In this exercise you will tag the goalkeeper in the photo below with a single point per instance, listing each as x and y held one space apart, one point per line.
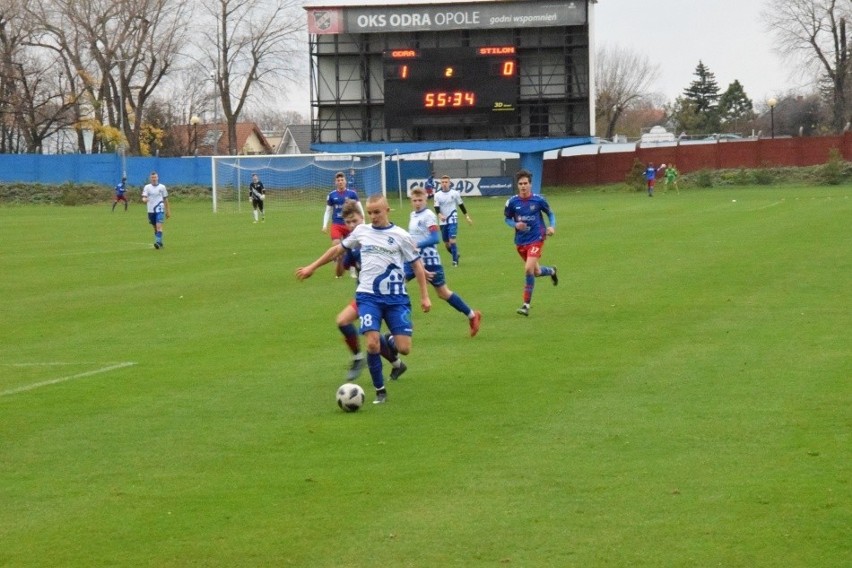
257 193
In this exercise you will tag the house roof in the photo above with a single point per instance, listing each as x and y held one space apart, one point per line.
212 139
296 140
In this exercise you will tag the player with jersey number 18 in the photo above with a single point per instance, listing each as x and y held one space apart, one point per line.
381 294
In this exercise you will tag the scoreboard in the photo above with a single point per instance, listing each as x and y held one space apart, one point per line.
453 86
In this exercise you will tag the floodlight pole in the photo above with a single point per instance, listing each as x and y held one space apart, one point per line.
772 102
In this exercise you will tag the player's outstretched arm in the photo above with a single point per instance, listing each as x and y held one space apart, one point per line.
422 282
331 254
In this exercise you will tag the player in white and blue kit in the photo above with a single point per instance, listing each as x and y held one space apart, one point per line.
349 315
381 294
423 228
447 201
430 186
156 196
525 213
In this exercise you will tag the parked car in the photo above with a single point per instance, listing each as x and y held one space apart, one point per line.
724 136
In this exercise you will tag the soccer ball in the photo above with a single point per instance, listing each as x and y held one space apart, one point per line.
350 397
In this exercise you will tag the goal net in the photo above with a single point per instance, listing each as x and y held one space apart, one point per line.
294 179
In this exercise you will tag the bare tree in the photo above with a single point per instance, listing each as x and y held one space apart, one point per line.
114 52
31 100
252 50
814 31
624 79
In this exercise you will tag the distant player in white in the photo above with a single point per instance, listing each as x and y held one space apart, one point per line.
381 294
446 202
423 227
156 196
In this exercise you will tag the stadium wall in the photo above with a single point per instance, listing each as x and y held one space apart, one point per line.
105 169
588 169
612 167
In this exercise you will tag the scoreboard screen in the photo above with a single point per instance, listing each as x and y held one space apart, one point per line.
450 86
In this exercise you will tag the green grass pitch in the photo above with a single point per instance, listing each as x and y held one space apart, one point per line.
682 398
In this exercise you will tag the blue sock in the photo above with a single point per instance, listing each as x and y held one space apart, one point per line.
158 236
529 284
374 363
456 302
546 270
454 250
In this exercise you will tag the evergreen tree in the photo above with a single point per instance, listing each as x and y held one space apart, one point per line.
703 96
735 108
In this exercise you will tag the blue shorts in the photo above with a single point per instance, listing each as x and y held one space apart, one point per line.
449 231
372 310
157 217
438 280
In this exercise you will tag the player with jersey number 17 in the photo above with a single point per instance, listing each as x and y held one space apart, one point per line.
333 213
525 213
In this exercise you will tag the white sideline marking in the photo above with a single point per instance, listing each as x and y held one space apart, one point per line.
68 378
770 205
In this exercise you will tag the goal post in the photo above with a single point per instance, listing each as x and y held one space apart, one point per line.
294 179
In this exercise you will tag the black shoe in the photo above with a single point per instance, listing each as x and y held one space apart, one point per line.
356 368
157 245
524 310
396 372
381 396
554 277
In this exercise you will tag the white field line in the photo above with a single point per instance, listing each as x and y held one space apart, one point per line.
34 386
770 205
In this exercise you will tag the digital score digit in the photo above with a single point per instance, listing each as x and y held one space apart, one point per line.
474 85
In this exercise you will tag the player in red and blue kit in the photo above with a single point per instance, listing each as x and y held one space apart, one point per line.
525 213
333 208
651 178
120 190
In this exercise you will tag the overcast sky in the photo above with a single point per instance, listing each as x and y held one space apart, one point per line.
727 35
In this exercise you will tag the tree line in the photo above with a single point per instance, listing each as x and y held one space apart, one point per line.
127 71
811 35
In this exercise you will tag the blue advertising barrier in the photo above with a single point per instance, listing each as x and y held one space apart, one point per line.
105 169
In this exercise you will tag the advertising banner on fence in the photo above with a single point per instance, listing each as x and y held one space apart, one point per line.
471 187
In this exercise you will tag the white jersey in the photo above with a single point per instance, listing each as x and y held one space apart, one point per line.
384 253
156 195
446 202
418 226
